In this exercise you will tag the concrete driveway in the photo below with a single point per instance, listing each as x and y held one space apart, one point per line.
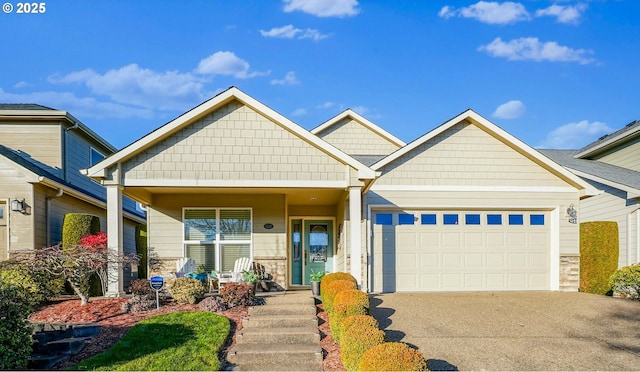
514 331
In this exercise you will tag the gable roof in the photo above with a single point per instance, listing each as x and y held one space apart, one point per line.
39 112
607 141
608 174
349 113
232 93
472 117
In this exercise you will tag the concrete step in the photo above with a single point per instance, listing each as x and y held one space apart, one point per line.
291 335
307 366
279 321
281 354
66 346
289 298
283 309
45 362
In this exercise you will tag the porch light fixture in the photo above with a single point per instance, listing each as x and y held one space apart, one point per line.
573 214
18 205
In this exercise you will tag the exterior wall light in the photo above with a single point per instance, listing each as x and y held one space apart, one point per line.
18 205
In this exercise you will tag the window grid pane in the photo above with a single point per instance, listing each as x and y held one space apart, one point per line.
200 224
203 254
450 219
516 219
384 219
472 219
235 224
428 219
536 219
231 252
406 219
494 219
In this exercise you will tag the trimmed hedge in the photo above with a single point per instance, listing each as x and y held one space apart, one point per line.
141 250
599 250
331 277
332 290
40 285
187 290
341 311
15 329
355 341
626 281
359 321
392 356
76 226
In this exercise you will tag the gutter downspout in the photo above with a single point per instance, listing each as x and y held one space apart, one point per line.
47 208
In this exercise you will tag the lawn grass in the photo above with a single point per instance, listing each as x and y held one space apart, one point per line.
181 341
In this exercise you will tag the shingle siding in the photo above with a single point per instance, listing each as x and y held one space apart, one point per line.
355 139
626 155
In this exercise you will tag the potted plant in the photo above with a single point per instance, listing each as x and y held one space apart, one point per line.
200 274
250 277
316 278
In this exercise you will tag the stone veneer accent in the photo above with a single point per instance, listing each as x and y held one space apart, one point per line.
277 267
569 273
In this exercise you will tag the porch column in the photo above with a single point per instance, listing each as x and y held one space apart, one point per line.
115 239
355 234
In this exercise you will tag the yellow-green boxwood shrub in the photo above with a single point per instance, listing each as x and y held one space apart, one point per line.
329 294
360 320
392 356
187 290
340 312
626 281
355 341
40 285
599 252
331 277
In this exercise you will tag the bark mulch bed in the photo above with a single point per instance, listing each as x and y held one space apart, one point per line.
114 323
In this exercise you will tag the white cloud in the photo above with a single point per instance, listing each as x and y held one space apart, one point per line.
22 84
323 8
489 12
510 110
575 135
85 107
325 105
530 48
564 14
289 79
133 85
290 32
226 63
299 112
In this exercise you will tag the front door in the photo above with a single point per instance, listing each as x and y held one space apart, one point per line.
311 248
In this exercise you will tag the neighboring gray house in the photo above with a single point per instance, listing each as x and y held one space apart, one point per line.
41 153
611 164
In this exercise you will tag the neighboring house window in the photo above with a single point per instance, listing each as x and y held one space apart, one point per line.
516 219
450 219
428 219
406 219
95 156
384 219
494 219
216 237
536 219
472 219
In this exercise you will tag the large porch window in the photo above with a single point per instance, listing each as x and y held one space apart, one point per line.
216 237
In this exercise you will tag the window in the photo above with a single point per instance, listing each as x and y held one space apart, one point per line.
472 219
95 156
406 219
494 219
516 219
428 219
536 219
216 237
450 219
384 219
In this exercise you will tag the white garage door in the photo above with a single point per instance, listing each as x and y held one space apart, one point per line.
461 250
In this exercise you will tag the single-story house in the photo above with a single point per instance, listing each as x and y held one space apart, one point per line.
41 153
611 164
467 206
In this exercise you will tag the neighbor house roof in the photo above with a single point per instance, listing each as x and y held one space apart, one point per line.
34 111
349 113
233 93
608 174
511 141
603 143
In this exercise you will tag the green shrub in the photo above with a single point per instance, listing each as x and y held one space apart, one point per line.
392 356
332 290
141 250
76 226
355 341
626 281
40 285
599 252
187 290
331 277
340 312
360 321
15 330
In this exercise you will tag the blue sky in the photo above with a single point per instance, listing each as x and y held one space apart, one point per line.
556 74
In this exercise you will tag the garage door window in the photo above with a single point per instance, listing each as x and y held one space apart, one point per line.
472 219
516 219
450 219
428 219
406 219
536 219
384 219
494 219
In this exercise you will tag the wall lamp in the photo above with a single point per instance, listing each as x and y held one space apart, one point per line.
18 205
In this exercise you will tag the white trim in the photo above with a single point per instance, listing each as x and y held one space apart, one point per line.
355 236
632 192
609 142
464 207
463 188
115 236
182 183
554 251
362 120
6 212
228 95
500 134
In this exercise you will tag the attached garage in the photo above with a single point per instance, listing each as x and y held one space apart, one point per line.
461 250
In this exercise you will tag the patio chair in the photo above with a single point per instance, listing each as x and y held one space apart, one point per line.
241 264
184 266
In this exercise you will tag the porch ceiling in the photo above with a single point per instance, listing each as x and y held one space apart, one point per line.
295 196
